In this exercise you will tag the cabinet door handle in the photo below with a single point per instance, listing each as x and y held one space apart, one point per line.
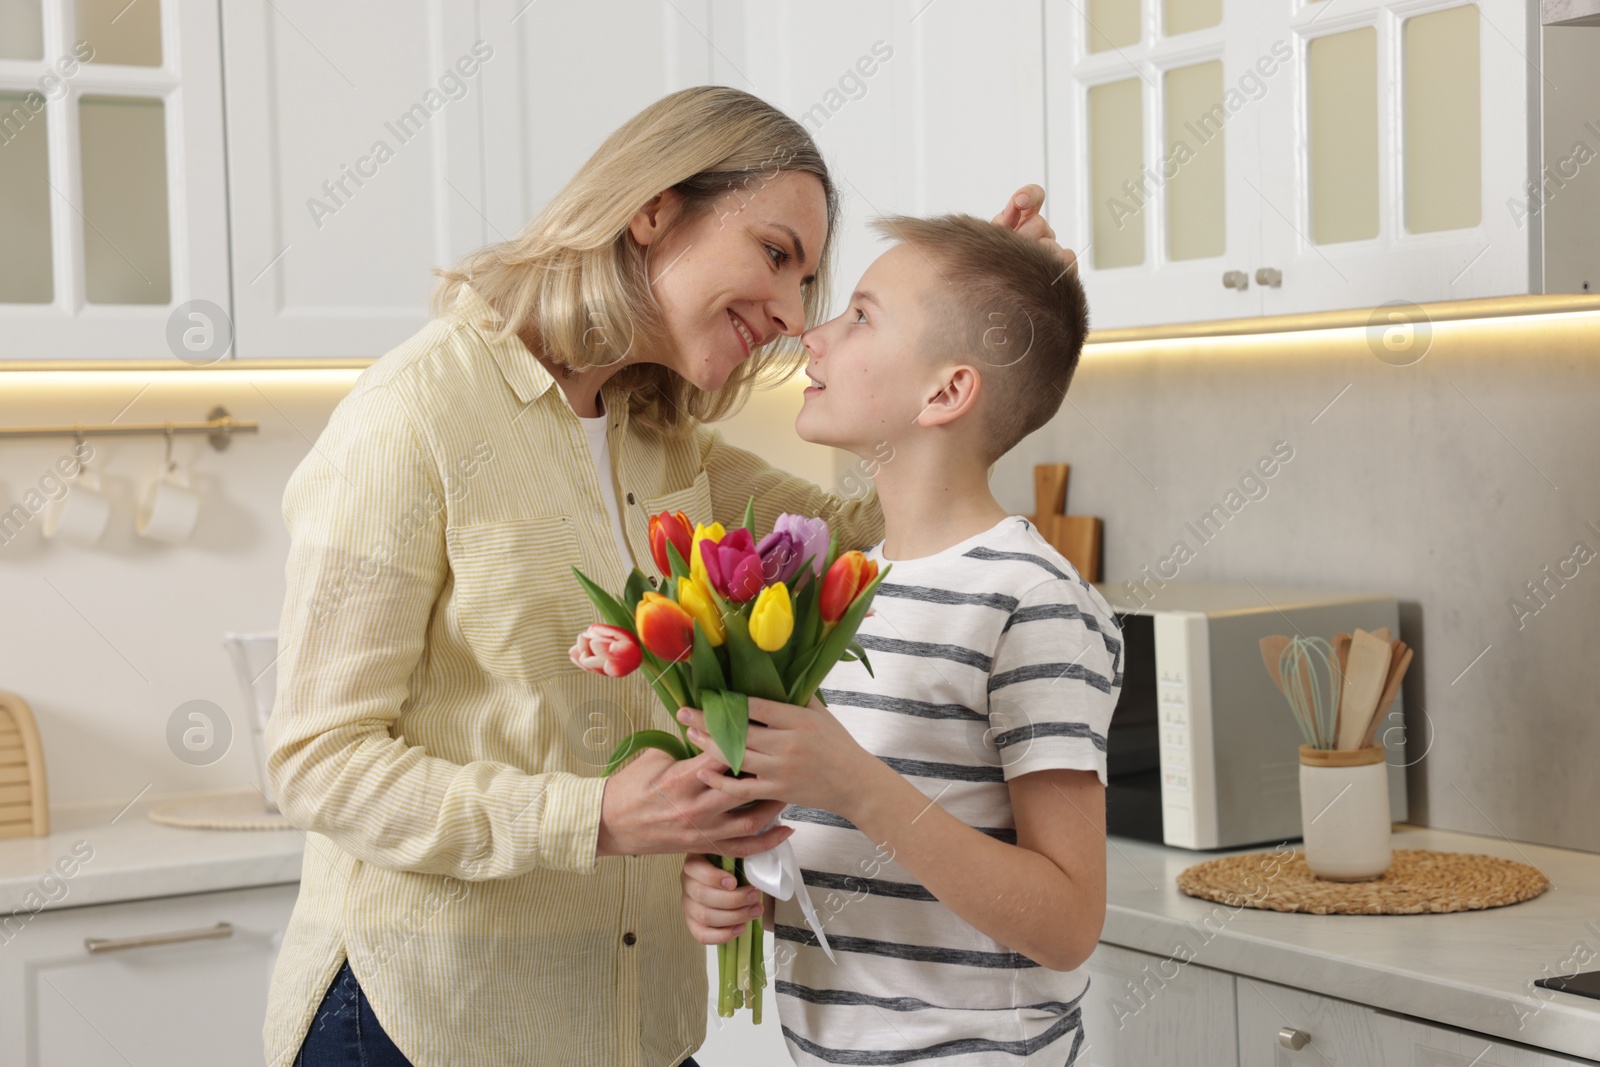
1236 279
1291 1038
1269 276
97 945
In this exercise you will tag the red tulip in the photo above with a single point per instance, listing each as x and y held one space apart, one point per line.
664 627
606 649
850 573
733 566
669 527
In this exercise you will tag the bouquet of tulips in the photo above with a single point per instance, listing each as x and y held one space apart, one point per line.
735 618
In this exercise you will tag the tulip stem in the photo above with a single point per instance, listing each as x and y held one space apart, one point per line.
758 969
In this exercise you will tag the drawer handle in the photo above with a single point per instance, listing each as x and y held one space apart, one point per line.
1236 279
1291 1038
96 945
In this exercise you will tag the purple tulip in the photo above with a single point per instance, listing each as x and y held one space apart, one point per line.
810 537
780 556
732 565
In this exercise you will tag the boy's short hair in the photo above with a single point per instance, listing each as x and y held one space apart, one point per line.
1006 303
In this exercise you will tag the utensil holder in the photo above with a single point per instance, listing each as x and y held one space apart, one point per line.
1344 812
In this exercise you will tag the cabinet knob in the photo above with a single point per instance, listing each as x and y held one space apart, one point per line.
1291 1038
1236 279
1270 276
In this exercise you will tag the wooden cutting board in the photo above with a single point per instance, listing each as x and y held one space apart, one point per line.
1078 537
24 797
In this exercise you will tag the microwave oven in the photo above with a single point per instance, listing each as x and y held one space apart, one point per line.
1203 749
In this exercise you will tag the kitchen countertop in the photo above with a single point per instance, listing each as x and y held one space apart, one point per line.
1472 969
134 858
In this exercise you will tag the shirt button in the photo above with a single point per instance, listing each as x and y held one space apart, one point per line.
630 498
652 579
628 938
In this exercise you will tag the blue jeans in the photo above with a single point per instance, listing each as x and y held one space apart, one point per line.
345 1033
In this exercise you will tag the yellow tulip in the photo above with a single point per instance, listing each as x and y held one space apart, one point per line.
697 567
772 618
696 599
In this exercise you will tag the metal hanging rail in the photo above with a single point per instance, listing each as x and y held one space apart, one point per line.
219 427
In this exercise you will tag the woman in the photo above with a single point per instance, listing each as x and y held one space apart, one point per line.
472 891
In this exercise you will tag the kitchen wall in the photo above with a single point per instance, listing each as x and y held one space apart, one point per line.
106 644
1451 482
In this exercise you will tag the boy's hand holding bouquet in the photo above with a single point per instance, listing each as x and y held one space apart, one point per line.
734 619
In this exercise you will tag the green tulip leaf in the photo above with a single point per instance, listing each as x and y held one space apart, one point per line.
753 672
750 516
838 639
798 671
807 613
610 610
859 653
728 723
634 591
639 741
705 670
680 566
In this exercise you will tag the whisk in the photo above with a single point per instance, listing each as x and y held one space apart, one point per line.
1309 669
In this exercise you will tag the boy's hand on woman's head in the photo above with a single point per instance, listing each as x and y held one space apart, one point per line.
1021 214
715 908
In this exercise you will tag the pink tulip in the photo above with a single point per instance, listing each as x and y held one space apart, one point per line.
606 649
732 565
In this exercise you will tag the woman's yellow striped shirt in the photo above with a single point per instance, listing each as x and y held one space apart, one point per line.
433 739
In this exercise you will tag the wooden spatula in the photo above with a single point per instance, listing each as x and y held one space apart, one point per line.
1272 651
1365 675
1399 661
1341 647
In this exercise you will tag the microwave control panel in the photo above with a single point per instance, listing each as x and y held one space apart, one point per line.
1188 818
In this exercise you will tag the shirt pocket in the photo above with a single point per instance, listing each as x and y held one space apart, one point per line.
518 605
694 501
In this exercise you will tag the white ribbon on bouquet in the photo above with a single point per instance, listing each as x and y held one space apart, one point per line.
777 871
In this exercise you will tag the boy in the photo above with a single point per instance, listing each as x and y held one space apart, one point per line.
949 812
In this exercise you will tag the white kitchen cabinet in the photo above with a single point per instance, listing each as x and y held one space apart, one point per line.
1216 159
1150 165
112 179
1142 1009
1411 1041
566 75
355 150
1280 1026
918 108
1398 133
194 995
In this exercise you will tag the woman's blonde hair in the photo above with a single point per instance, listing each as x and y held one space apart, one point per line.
574 279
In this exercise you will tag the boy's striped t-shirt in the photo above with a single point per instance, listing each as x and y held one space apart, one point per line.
992 659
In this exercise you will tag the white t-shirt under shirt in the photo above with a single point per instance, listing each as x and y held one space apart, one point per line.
595 430
992 659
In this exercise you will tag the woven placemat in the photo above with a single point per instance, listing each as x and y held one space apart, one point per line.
219 811
1417 881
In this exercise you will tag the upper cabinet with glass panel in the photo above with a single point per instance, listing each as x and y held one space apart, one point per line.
112 187
1213 159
